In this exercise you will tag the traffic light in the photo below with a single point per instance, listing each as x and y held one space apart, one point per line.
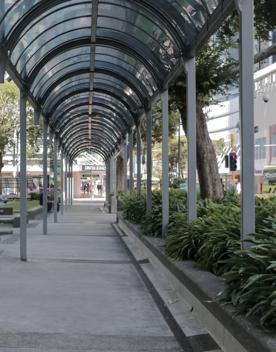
226 160
233 158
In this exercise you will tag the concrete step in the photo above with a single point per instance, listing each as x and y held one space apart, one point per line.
56 342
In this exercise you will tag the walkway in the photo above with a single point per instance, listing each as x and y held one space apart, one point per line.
79 291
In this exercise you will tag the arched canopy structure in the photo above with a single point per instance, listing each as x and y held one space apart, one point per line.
93 67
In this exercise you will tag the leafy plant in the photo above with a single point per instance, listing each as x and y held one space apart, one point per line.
152 225
133 206
250 280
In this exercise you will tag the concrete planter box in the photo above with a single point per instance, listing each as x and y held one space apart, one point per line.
200 289
32 214
35 212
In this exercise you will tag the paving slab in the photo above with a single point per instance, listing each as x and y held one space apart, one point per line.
79 291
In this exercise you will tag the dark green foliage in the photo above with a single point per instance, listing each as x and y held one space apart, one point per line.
152 225
211 238
133 206
213 242
250 280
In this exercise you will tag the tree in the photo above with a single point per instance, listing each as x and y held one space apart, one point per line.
8 119
9 123
217 70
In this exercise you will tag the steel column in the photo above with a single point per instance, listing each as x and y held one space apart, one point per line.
2 62
55 181
71 184
131 181
23 177
190 67
125 153
246 8
36 117
107 180
165 162
45 178
149 162
61 184
113 179
66 183
139 152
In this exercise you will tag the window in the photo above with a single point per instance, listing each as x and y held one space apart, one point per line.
273 142
260 148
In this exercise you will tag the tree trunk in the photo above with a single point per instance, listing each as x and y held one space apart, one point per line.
207 167
1 166
120 173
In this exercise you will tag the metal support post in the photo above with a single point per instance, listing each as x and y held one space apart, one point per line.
113 184
139 152
2 66
45 176
23 177
131 181
149 162
113 178
125 151
61 184
36 117
190 67
55 182
66 183
107 180
246 8
165 162
71 183
2 33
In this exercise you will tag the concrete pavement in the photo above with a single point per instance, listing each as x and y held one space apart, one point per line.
79 291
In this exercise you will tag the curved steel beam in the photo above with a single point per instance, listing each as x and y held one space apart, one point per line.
134 84
54 114
107 111
82 126
77 143
103 89
144 56
104 139
111 121
166 14
89 149
107 106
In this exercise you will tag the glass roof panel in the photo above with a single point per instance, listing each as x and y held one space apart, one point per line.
192 10
48 73
137 70
116 83
138 44
46 83
42 46
60 61
123 16
212 5
69 89
17 11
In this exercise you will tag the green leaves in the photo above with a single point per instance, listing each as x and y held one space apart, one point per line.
250 282
213 242
133 206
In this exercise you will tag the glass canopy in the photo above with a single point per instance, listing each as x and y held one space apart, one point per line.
97 65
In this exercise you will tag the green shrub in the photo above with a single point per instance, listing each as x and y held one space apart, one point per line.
152 225
133 206
183 240
250 280
210 239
